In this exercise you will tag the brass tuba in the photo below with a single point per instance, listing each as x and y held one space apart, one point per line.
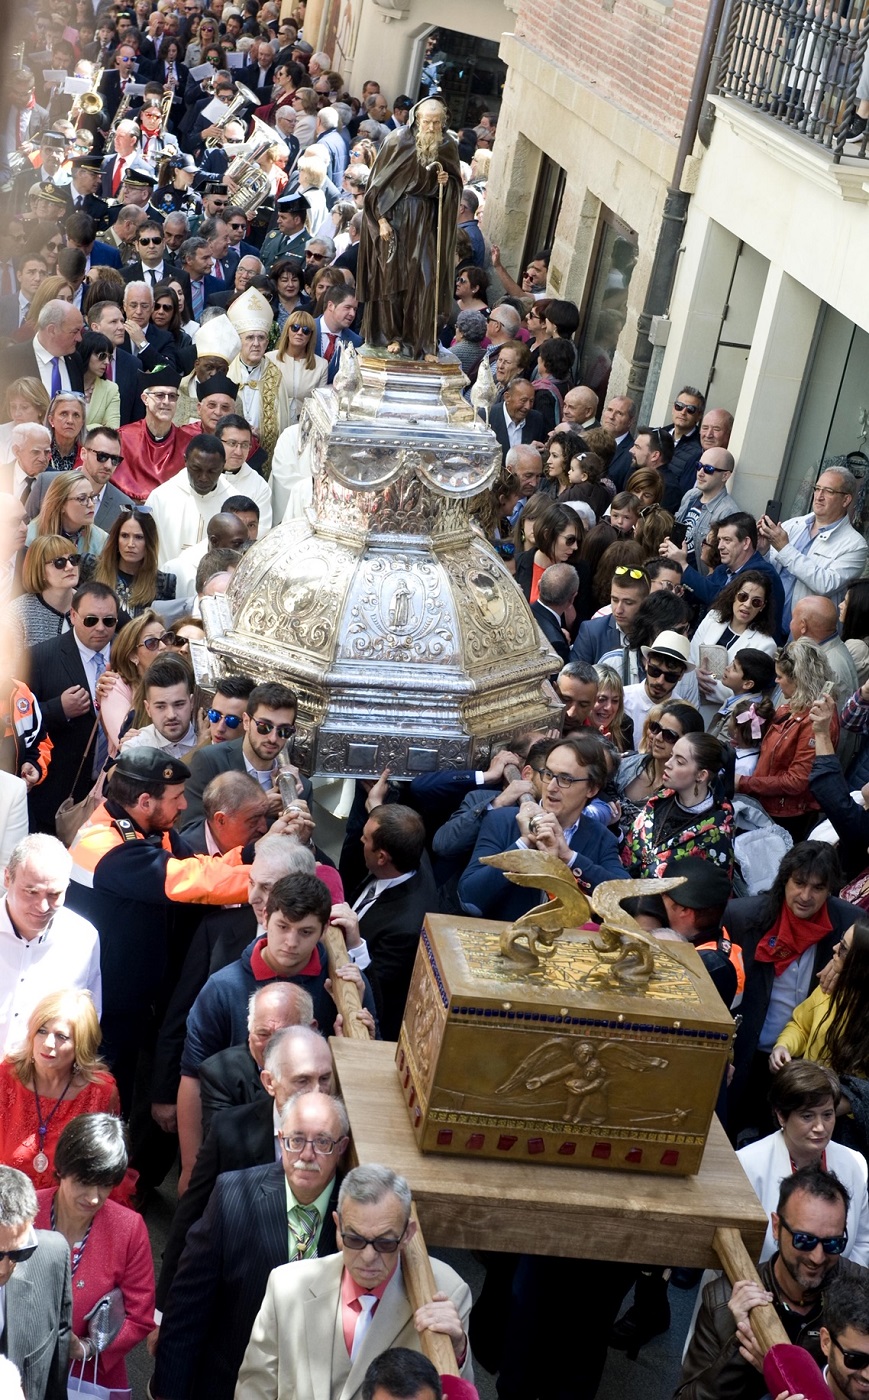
243 98
253 183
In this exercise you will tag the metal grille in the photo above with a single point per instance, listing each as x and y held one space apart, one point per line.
801 64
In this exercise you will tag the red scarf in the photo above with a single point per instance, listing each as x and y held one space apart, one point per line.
789 938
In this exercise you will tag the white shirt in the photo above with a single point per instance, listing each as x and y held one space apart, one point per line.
250 398
514 430
160 270
181 515
66 955
379 887
184 568
247 482
150 737
45 367
262 775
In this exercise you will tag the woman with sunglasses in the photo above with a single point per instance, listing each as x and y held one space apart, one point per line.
641 775
200 49
166 316
50 577
302 369
68 510
128 563
65 418
102 397
805 1099
688 817
119 690
535 324
780 782
289 278
741 616
558 535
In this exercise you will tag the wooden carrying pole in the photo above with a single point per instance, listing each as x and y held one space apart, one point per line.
418 1277
736 1262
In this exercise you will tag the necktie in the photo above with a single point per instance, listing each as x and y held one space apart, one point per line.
117 175
198 289
110 371
101 750
56 384
304 1228
22 315
153 276
79 201
330 344
368 898
218 270
26 490
367 1303
8 284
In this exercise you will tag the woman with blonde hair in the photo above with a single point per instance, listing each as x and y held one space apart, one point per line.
50 577
66 419
68 510
302 369
119 689
25 401
608 715
312 177
780 781
55 1075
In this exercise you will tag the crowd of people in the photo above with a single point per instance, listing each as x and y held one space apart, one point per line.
165 312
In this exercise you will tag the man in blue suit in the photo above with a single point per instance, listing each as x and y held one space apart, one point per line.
81 232
737 545
575 772
333 327
602 634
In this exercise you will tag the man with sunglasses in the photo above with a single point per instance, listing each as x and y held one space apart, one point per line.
845 1338
666 663
574 772
268 725
707 502
820 553
35 1291
809 1227
63 677
150 264
355 1304
256 1220
101 455
684 432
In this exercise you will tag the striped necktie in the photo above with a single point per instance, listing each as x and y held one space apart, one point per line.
304 1228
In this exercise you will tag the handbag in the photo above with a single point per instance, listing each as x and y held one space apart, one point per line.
72 815
105 1320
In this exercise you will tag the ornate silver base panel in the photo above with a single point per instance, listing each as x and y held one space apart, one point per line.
407 641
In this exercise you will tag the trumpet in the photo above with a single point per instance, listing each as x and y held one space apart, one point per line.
243 98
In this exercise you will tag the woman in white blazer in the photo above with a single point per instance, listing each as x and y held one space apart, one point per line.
741 617
13 815
804 1098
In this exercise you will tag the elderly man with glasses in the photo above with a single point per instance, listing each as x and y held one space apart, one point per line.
820 553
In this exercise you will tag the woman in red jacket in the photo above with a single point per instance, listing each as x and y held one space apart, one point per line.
780 781
109 1249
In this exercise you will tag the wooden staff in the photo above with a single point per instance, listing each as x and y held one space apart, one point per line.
439 169
416 1265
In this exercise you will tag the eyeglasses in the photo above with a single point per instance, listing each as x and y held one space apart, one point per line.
623 569
656 672
55 247
667 587
661 733
384 1244
756 603
804 1243
19 1256
150 242
164 306
265 726
153 643
91 621
564 780
315 257
162 398
82 500
232 721
63 559
710 471
103 457
322 1144
686 407
854 1360
828 491
301 330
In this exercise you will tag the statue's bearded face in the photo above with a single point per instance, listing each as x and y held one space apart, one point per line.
429 134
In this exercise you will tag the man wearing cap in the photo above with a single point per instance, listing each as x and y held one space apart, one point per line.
170 200
667 660
137 187
695 910
290 237
82 190
183 506
153 448
129 867
263 397
216 397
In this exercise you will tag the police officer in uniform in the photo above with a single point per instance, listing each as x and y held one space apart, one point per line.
290 237
81 194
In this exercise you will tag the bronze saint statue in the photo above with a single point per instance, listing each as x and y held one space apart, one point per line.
405 269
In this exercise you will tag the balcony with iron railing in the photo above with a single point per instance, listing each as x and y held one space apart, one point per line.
801 65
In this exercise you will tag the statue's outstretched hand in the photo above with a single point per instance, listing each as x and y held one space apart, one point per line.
443 177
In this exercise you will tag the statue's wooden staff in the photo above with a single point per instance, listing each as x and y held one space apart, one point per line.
416 1265
436 165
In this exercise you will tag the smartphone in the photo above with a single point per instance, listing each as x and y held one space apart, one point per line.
678 533
828 688
773 511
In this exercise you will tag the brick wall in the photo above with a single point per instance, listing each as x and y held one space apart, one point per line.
630 53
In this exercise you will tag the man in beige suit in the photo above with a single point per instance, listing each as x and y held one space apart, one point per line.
323 1321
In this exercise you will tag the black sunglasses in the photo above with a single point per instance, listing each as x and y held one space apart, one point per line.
805 1243
659 731
163 306
383 1244
854 1360
153 643
301 330
63 559
150 242
91 620
265 726
19 1256
656 672
103 457
686 407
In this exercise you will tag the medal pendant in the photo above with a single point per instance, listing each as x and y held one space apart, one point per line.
40 1162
